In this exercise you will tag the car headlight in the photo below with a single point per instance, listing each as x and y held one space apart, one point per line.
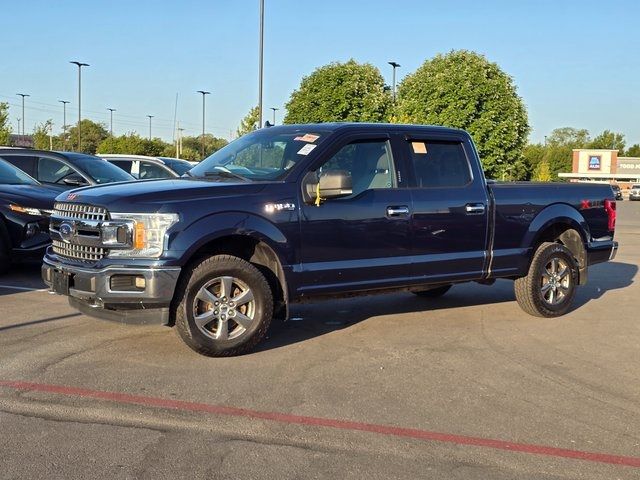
29 210
147 236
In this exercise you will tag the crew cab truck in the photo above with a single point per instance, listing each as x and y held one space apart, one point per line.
296 212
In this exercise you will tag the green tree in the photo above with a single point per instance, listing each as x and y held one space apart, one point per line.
462 89
533 154
542 172
192 146
43 138
92 135
340 92
5 126
569 137
249 123
633 151
609 139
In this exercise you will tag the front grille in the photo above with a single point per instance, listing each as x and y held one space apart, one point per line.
78 252
78 211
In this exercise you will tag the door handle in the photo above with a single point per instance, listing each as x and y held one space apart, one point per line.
397 211
474 208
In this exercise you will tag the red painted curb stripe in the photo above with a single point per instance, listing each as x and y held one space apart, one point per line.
324 422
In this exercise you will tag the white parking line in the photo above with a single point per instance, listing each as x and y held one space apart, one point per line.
26 289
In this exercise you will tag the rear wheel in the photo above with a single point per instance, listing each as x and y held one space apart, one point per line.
549 288
433 292
225 306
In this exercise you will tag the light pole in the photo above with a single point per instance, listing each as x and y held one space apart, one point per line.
261 62
150 117
23 122
111 110
204 94
19 125
274 114
64 122
393 91
80 65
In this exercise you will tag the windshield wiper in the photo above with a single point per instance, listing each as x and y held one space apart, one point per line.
225 173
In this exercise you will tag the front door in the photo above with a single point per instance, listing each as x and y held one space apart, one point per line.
361 241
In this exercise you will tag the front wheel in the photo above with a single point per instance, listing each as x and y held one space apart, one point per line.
225 306
549 288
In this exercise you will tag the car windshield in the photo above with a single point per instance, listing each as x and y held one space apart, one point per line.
266 154
177 165
10 175
99 170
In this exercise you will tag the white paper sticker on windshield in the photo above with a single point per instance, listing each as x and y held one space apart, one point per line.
307 149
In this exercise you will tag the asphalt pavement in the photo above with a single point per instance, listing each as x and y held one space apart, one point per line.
394 386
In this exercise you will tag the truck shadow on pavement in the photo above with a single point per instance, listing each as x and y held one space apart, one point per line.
315 319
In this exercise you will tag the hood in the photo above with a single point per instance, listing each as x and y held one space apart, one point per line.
152 195
35 196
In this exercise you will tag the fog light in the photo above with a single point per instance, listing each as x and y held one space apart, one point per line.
127 283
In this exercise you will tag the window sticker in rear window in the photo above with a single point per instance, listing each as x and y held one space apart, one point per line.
419 147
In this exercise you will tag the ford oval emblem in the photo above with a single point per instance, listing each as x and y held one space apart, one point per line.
66 231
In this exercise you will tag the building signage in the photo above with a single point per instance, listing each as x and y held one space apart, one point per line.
629 165
594 162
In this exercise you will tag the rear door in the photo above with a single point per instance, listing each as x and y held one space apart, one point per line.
450 208
361 241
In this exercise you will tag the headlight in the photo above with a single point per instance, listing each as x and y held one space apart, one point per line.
27 210
148 233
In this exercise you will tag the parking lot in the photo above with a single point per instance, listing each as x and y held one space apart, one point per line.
394 386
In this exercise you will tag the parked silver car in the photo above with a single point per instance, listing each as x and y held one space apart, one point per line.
144 168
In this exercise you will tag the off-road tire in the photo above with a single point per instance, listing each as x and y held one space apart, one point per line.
529 289
191 285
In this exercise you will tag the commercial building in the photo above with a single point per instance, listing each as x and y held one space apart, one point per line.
603 166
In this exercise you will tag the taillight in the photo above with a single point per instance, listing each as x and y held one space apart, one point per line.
610 208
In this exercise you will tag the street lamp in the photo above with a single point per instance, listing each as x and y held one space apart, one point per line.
111 110
260 62
204 94
274 114
394 65
23 122
64 122
80 65
150 117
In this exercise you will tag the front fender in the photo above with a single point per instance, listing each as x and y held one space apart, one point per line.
212 227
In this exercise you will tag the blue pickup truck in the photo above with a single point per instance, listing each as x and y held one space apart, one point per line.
295 212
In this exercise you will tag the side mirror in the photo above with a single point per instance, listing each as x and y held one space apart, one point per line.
335 184
330 184
74 180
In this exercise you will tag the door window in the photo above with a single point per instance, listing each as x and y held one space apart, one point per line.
151 170
23 162
439 164
53 171
123 164
369 163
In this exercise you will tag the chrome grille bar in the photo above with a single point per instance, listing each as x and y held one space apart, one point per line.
79 211
78 252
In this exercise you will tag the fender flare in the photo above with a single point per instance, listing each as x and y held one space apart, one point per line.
556 214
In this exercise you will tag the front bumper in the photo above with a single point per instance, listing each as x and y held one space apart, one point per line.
93 292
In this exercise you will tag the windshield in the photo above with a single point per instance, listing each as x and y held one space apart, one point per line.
266 154
100 170
178 166
10 175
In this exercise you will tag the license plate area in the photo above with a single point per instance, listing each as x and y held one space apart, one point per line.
60 282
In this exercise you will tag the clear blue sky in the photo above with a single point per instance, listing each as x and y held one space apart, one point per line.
575 63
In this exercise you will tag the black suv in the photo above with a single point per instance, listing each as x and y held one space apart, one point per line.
616 191
25 206
64 170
